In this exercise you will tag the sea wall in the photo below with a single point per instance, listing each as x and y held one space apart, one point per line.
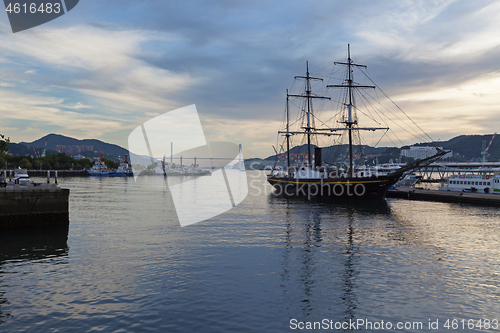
33 206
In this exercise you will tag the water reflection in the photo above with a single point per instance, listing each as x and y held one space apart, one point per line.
23 245
321 255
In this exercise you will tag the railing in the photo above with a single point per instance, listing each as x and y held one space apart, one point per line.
43 173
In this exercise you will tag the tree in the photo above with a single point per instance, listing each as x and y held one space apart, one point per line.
25 163
4 144
110 164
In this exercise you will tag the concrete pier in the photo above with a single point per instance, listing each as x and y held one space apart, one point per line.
43 204
445 196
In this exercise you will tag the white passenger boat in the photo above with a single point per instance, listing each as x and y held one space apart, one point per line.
482 183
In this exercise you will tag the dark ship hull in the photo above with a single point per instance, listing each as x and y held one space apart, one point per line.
373 188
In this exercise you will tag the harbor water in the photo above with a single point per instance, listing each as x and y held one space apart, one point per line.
268 265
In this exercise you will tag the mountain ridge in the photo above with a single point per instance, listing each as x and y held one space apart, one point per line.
58 139
469 147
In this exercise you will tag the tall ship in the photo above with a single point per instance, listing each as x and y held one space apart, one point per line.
312 177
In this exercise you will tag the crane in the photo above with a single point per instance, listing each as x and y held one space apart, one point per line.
45 149
485 151
36 152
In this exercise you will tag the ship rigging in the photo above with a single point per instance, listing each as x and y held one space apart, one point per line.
333 178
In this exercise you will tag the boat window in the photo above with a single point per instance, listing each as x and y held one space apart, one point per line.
488 183
476 183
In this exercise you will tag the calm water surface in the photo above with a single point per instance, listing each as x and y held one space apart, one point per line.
125 265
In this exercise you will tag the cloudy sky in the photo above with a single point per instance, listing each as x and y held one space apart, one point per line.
107 66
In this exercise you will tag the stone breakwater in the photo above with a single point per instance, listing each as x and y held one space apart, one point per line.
33 205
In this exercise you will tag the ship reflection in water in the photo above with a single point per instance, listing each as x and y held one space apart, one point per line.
313 276
395 261
21 247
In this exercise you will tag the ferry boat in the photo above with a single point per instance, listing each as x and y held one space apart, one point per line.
346 181
481 183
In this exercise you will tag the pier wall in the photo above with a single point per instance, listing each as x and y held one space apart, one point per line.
33 207
445 196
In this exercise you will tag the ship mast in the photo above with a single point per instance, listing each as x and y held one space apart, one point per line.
351 122
287 136
309 113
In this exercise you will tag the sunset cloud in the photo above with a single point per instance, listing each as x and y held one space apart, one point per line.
102 69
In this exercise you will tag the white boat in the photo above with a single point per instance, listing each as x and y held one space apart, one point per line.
481 182
99 168
21 177
386 168
123 170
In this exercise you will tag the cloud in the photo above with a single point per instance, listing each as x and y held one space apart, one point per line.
105 68
92 64
76 106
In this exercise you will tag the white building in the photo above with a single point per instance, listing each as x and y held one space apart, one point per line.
421 152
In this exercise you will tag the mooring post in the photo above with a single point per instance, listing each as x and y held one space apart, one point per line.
48 176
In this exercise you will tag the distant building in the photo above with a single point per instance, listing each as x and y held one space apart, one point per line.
421 152
60 148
